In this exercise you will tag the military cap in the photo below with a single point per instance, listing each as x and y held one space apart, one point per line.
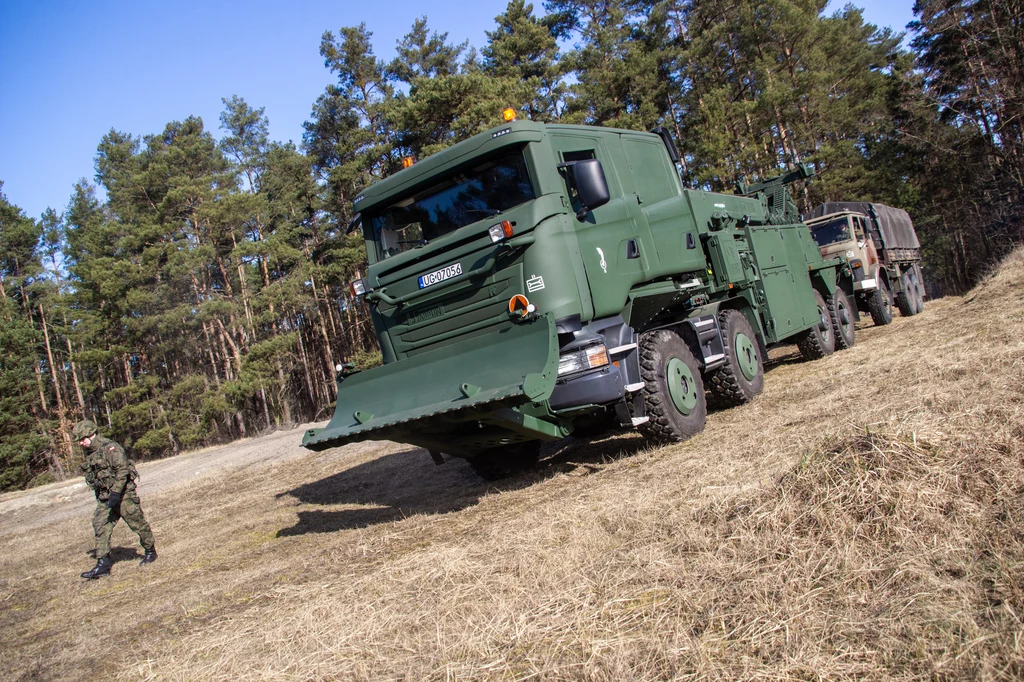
84 429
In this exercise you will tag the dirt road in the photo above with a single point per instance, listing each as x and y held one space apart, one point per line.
56 502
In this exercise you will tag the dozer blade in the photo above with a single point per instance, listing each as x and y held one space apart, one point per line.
404 400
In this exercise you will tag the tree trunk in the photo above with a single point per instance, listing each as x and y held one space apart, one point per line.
62 419
74 371
226 338
313 397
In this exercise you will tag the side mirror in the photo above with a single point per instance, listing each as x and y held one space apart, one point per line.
591 185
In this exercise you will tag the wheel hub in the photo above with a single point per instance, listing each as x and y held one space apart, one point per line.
746 353
824 324
681 385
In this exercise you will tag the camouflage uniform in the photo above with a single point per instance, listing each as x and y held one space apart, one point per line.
107 470
111 475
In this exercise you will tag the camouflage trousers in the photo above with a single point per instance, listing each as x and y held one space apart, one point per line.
104 520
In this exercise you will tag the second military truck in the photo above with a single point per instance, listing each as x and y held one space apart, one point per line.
536 278
883 250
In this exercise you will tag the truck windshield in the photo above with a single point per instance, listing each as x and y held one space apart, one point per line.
471 194
834 231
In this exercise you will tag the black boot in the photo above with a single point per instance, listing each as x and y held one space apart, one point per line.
149 557
101 568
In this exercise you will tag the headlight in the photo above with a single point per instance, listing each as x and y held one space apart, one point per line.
586 358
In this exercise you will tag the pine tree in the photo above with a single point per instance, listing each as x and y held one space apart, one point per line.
523 48
971 56
348 136
422 54
620 65
26 446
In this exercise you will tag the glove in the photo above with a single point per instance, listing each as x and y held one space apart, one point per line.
114 500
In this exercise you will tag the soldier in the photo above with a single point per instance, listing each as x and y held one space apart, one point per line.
112 478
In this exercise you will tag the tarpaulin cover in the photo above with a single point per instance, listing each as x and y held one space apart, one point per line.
892 224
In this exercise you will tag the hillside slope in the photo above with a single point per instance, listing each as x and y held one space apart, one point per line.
864 517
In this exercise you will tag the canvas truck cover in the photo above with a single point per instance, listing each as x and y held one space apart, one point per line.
893 224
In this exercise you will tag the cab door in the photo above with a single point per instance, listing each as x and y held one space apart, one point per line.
608 236
668 230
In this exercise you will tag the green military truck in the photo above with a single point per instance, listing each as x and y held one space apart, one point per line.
884 253
534 278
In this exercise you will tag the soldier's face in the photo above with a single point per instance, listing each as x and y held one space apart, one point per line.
85 442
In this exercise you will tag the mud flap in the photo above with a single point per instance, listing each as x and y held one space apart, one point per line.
405 400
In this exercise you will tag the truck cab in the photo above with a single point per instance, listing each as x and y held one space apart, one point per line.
846 234
884 252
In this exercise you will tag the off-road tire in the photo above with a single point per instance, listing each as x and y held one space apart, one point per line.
665 358
906 300
818 341
880 304
838 309
915 276
728 386
501 462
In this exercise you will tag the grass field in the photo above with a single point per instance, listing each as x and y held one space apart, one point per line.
862 519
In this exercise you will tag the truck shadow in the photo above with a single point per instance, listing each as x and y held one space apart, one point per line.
584 456
780 357
389 488
408 483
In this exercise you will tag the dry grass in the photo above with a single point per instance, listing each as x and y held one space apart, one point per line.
864 518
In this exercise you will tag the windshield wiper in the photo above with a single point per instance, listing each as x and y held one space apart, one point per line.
485 211
417 242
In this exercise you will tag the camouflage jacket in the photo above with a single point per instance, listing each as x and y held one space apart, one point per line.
107 469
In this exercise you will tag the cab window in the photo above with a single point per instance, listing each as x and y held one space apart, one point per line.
834 231
653 174
485 189
858 223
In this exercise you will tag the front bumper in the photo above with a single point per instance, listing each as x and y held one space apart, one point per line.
428 399
597 387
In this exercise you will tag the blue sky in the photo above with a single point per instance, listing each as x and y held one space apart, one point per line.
71 71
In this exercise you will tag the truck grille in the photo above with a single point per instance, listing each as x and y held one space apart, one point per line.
469 309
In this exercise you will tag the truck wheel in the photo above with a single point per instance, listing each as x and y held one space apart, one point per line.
502 462
915 276
673 390
742 376
906 299
842 319
880 304
818 341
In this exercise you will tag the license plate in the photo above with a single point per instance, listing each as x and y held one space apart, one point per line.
440 275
